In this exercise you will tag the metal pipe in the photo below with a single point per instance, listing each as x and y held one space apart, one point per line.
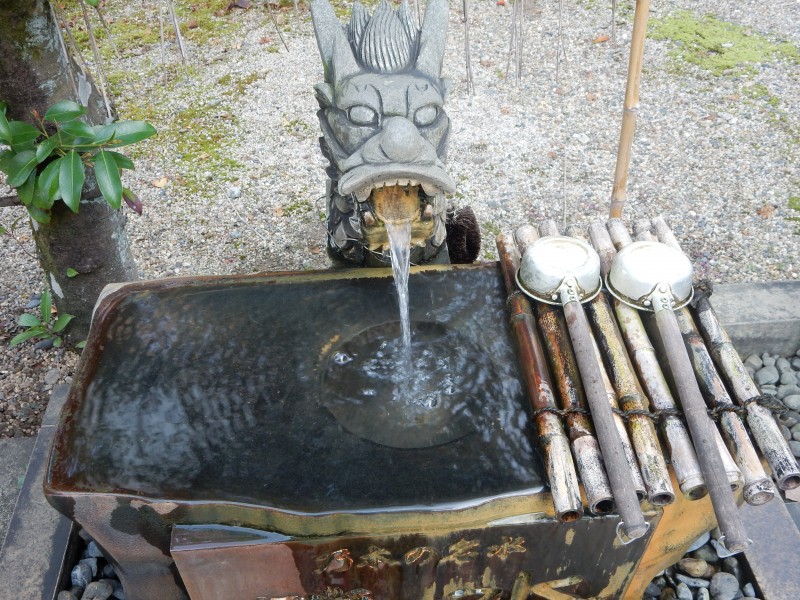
643 355
554 444
585 448
765 430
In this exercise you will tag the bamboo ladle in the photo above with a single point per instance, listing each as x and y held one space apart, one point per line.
566 271
655 277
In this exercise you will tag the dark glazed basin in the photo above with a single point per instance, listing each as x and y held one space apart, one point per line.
198 402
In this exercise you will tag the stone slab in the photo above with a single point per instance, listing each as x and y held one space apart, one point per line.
760 316
32 555
773 556
14 456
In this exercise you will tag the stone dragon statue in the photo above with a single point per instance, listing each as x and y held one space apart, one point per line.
384 131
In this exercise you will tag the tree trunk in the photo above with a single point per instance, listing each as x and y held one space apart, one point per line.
35 73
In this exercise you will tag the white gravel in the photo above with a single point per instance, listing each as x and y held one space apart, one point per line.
719 165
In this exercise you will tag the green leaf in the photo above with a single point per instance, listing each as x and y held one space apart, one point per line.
45 305
56 342
93 3
25 191
106 172
123 162
130 132
62 322
5 130
101 134
22 133
47 185
70 180
81 344
3 107
78 128
26 335
2 230
29 320
71 272
19 167
63 111
45 149
38 215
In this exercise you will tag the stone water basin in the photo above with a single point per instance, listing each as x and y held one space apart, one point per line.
250 420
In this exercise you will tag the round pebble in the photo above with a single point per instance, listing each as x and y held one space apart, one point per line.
98 590
788 390
753 361
694 567
769 360
683 591
788 378
767 375
794 446
81 575
702 594
724 586
748 590
792 401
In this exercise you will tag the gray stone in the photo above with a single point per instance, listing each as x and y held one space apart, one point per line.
724 586
98 590
782 364
748 590
108 571
707 553
684 593
788 378
731 566
792 401
787 435
788 390
52 376
93 550
91 563
234 192
652 590
81 575
65 595
796 364
701 541
768 360
767 375
702 594
789 419
769 390
794 446
692 582
753 361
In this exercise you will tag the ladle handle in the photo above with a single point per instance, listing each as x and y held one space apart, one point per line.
633 523
702 432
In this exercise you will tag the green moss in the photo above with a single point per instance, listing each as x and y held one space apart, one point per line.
296 127
298 207
794 204
718 46
491 227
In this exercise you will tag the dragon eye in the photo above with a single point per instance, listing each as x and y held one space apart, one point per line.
362 115
426 115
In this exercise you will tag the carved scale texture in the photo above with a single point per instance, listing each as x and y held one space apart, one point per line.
386 42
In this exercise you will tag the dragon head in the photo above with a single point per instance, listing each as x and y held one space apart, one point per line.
384 129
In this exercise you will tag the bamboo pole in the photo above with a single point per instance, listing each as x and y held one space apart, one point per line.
585 448
633 524
621 238
765 430
630 108
630 398
554 443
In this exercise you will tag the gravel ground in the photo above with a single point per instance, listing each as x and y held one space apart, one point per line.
233 182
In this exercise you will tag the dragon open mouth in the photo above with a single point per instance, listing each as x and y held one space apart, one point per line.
396 201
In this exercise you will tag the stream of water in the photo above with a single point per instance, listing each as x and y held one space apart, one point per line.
400 245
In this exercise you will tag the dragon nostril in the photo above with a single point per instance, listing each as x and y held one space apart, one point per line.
400 140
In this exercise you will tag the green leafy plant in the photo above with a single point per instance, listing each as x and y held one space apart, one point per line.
46 326
48 163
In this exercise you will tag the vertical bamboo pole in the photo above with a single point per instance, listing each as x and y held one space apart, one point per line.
630 108
554 443
567 382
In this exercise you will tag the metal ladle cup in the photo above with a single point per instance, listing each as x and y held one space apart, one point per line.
566 271
655 277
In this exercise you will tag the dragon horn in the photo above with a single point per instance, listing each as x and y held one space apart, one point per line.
334 48
433 39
